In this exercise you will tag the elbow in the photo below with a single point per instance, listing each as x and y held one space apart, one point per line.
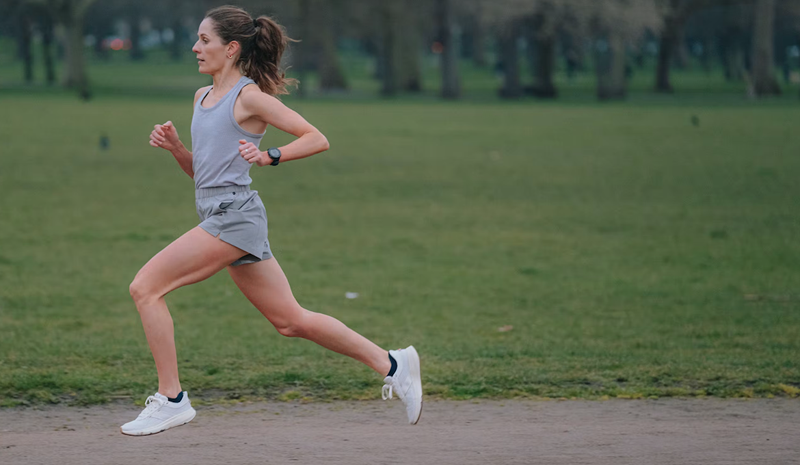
325 145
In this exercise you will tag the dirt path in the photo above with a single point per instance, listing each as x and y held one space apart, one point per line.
484 432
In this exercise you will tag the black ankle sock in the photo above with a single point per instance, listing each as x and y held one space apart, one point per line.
176 399
394 365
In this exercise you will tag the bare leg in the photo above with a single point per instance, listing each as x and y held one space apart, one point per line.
265 286
192 257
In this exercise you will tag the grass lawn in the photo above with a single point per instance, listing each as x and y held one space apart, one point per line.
633 253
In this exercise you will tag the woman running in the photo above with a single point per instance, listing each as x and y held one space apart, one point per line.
243 56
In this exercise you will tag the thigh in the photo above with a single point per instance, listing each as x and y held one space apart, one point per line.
192 257
266 287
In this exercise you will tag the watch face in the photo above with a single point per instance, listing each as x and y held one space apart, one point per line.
274 153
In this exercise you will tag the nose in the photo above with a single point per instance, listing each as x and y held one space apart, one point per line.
194 48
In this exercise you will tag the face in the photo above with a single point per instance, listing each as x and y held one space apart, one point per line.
212 55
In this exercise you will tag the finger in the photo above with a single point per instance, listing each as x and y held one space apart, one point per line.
168 123
161 133
157 126
153 144
242 141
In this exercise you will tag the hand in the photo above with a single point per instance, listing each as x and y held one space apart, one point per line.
165 136
250 152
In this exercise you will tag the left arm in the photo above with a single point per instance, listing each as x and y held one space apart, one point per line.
272 111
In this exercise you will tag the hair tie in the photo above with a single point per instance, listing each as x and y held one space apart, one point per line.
255 23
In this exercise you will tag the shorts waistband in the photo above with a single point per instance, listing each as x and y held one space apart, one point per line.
212 191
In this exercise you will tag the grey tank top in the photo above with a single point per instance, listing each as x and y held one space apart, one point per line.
215 140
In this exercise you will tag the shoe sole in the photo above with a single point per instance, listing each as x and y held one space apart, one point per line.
414 369
177 420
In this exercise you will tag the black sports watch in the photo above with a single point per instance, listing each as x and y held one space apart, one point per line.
275 155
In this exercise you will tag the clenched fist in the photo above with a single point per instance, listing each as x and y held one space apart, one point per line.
250 152
165 136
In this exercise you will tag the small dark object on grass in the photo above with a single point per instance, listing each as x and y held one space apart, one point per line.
695 120
104 142
718 234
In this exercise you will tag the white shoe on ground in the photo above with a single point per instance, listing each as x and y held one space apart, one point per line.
160 414
406 382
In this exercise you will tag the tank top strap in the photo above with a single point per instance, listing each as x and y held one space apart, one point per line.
203 97
234 93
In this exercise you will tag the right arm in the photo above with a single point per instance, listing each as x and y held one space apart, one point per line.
166 136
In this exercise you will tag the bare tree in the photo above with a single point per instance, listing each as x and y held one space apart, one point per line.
507 19
389 14
615 25
331 74
445 18
70 14
24 26
763 75
541 34
46 22
674 14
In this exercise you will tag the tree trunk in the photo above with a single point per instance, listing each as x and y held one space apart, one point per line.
573 56
477 38
611 82
387 58
509 56
331 76
542 57
763 76
301 51
24 26
451 87
666 49
75 76
137 54
47 48
409 66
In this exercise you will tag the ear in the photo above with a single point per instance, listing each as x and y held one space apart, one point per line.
233 47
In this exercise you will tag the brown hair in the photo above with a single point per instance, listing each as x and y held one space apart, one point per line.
262 43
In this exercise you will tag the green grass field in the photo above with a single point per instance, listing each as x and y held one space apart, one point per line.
633 253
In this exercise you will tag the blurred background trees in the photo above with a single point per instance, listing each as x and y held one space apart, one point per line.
523 42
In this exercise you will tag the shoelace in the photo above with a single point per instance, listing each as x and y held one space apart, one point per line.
151 405
387 388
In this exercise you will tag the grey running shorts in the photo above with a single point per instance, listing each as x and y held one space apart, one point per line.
237 215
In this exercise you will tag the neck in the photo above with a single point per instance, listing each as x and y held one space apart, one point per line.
226 79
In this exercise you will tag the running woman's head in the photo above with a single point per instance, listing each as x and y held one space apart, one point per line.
229 36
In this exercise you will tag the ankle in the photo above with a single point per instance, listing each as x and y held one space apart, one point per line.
171 393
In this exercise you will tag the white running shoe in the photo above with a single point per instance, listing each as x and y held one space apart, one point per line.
406 382
160 414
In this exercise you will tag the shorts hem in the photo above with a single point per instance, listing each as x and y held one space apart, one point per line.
221 236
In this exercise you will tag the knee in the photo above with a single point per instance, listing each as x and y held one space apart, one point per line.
294 326
141 292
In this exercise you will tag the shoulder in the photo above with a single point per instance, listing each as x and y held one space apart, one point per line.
253 99
200 93
252 95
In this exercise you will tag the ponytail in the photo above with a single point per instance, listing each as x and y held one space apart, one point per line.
262 64
262 41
